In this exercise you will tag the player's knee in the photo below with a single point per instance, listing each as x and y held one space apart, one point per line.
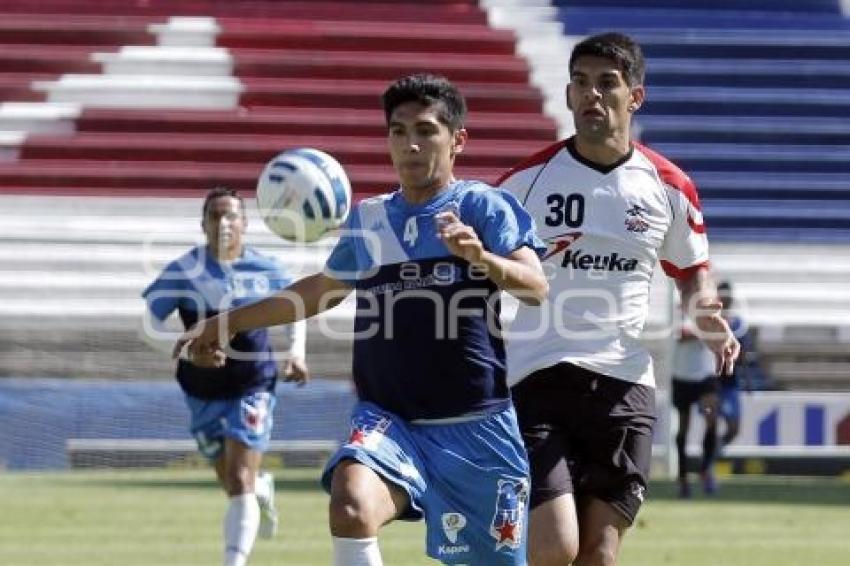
240 480
560 554
351 516
596 555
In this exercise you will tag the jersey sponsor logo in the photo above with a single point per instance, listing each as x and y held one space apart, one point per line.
453 523
559 243
635 221
507 524
576 259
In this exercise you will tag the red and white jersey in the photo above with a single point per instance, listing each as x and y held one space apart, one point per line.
606 229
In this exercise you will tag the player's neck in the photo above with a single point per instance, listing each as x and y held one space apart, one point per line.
419 195
224 255
604 152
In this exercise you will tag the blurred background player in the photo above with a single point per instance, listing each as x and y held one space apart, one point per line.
694 382
231 406
434 434
609 210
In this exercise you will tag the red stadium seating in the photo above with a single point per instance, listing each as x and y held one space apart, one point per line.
311 74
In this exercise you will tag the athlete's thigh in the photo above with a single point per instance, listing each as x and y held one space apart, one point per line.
602 529
553 531
617 437
381 442
376 500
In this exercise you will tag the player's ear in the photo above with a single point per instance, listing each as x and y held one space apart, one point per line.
567 96
460 136
636 97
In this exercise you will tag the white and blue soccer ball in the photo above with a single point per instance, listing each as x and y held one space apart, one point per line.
302 194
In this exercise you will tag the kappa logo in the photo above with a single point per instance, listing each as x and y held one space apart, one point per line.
635 221
508 520
453 523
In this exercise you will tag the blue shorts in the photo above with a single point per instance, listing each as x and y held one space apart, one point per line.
468 479
246 419
730 403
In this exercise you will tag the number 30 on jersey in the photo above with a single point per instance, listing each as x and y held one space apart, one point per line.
565 210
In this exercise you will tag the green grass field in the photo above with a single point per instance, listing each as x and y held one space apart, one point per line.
172 517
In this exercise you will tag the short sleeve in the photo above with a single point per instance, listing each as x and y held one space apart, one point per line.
342 261
162 296
685 247
501 222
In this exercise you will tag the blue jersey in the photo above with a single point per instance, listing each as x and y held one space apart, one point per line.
746 368
198 286
427 340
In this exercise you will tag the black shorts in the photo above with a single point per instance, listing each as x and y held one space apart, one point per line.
686 393
586 434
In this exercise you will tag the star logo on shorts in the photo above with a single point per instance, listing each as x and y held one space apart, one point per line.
506 532
368 432
356 437
507 523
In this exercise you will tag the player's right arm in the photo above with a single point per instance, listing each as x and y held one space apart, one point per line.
303 299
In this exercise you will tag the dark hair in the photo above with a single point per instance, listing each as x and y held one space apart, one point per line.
427 89
217 192
617 47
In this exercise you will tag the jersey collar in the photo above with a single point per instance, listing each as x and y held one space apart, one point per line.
604 169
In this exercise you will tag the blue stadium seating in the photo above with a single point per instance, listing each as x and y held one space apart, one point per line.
751 98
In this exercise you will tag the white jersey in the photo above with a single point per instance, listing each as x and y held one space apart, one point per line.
693 361
605 228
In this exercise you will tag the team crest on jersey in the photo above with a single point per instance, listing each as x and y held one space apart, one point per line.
507 524
635 221
557 244
368 432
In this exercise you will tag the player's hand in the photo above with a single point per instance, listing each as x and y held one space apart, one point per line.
715 333
202 343
295 370
460 238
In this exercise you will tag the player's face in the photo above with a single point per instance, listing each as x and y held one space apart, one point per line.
224 225
423 148
601 100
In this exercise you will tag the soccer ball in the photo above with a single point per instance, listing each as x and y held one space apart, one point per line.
302 194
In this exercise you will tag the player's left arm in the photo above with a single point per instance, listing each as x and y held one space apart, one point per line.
700 301
519 273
